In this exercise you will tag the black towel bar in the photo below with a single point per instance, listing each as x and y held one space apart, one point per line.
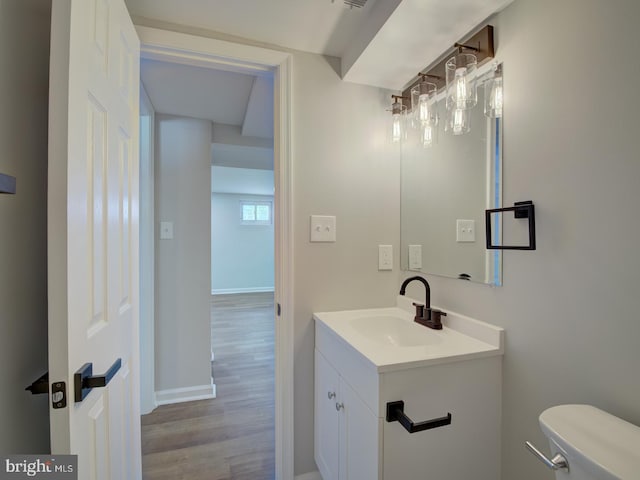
395 413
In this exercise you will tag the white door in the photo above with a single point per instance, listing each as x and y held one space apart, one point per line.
93 234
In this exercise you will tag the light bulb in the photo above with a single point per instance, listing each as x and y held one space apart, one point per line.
461 81
461 88
396 129
427 135
495 99
423 109
458 121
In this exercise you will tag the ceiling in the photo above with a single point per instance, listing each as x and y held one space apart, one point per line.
240 107
384 44
317 26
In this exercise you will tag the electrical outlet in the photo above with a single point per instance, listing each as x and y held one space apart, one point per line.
385 257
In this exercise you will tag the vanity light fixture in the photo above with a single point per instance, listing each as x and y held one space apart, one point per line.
461 79
398 123
425 113
423 100
493 99
457 72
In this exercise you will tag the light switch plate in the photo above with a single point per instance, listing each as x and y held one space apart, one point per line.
465 230
166 230
385 257
323 228
415 257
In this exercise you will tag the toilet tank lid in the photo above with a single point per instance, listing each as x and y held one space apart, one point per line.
603 443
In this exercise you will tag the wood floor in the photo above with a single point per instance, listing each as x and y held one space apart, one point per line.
232 436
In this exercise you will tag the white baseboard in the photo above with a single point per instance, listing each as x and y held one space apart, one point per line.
226 291
187 394
309 476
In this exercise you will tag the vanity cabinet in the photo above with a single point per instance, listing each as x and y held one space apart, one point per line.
354 441
346 430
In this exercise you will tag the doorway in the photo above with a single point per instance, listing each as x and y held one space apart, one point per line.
198 51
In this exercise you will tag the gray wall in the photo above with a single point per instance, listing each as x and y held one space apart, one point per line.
24 74
343 165
571 144
183 288
241 255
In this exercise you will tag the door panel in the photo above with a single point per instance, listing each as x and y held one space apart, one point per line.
93 232
361 433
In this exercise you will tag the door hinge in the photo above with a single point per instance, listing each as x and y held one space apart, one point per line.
278 309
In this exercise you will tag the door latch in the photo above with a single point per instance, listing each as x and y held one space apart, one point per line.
58 395
58 390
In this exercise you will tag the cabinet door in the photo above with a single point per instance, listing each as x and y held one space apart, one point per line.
360 429
326 419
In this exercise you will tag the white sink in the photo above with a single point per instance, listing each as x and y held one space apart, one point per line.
389 339
388 330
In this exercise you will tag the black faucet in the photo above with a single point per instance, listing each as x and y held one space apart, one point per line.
433 315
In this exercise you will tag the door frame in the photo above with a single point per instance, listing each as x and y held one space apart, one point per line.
174 47
147 257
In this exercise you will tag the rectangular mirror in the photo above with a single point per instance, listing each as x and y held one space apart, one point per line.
445 190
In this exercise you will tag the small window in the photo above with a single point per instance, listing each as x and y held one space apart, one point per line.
256 213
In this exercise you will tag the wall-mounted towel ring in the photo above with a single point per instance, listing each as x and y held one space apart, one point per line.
521 210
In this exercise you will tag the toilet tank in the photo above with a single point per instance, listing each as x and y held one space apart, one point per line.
596 444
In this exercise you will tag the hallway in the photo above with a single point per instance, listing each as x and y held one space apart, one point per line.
230 437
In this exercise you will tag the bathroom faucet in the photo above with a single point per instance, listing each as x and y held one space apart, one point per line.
433 315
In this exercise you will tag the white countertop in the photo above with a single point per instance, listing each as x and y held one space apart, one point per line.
411 345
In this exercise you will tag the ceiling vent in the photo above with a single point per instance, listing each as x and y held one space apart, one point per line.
355 3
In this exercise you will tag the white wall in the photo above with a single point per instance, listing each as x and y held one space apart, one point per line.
572 145
242 180
24 67
183 288
241 255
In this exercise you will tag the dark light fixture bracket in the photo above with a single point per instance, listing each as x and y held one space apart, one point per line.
481 43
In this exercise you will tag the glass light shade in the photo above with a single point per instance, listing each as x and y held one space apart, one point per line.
458 121
423 102
493 94
398 122
461 81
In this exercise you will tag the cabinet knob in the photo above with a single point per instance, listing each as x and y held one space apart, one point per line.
331 395
339 406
